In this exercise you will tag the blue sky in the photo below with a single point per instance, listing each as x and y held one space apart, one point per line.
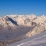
37 7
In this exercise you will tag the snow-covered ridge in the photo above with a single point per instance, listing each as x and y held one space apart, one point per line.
20 19
21 26
13 21
25 20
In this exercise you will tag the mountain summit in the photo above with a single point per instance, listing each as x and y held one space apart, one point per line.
15 26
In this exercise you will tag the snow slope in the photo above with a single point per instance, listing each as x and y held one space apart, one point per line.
37 40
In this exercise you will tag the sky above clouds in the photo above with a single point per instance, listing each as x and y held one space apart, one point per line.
37 7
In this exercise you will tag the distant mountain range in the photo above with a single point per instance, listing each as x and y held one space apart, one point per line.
16 26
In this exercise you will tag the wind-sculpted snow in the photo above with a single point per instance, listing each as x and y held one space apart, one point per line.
37 40
34 41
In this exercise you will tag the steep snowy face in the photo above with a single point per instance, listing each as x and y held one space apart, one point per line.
25 20
36 30
15 20
5 22
40 27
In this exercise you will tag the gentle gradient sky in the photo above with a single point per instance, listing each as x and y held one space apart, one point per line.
37 7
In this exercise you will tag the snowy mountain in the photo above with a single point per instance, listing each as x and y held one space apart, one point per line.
16 26
21 26
25 20
36 30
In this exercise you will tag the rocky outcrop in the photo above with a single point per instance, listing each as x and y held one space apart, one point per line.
36 30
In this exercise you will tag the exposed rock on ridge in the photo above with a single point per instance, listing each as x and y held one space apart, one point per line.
36 30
